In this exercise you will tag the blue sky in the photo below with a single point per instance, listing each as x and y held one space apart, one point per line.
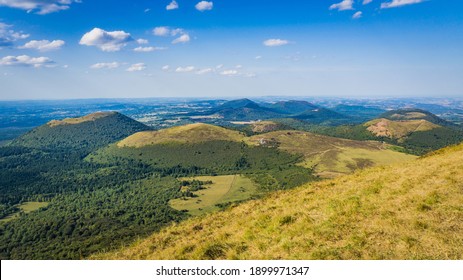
60 49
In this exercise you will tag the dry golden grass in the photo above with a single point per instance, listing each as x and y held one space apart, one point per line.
411 210
192 133
331 156
264 126
86 118
398 129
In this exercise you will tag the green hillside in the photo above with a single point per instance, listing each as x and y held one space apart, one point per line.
292 107
403 211
88 132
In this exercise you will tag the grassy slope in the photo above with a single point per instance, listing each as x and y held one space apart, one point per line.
398 129
404 211
227 188
332 156
26 207
192 133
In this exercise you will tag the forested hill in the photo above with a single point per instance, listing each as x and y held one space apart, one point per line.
88 132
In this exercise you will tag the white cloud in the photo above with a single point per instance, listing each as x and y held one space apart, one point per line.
142 41
177 31
258 57
357 15
185 69
342 6
185 38
172 6
136 67
147 49
220 66
105 65
106 41
167 31
8 36
275 42
43 45
204 71
367 2
399 3
25 60
204 6
165 68
41 7
229 72
161 31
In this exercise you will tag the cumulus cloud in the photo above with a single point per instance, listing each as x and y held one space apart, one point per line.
357 15
106 41
142 41
43 45
367 2
25 60
165 31
105 65
399 3
161 31
342 6
204 6
185 69
40 7
8 36
185 38
165 68
136 67
172 6
275 42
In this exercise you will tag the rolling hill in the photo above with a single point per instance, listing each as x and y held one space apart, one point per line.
330 156
244 110
192 133
291 107
415 114
248 110
212 148
403 211
398 129
417 131
88 132
357 112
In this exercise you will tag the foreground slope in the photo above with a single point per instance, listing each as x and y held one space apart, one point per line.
404 211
